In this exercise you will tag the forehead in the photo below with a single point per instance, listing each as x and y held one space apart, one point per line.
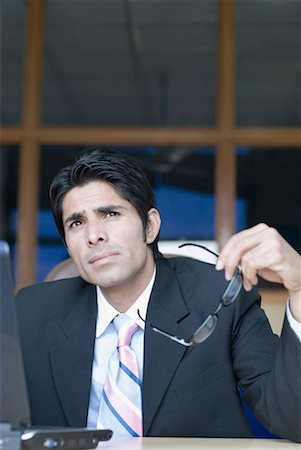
98 193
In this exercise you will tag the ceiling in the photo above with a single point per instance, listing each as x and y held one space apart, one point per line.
153 62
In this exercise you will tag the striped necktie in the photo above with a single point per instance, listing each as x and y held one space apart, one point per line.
121 402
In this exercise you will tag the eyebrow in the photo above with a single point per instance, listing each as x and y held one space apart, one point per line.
101 209
73 216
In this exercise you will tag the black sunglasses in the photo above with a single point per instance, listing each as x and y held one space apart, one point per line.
208 326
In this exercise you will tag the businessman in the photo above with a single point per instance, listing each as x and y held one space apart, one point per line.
152 346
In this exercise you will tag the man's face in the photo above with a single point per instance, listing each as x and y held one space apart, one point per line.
104 236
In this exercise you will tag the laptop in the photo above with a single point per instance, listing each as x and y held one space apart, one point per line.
15 429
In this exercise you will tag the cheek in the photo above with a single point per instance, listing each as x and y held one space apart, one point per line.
73 247
136 233
133 244
137 249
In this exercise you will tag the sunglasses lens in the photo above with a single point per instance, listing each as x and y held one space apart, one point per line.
233 289
205 329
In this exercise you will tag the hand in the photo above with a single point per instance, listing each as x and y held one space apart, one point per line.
261 250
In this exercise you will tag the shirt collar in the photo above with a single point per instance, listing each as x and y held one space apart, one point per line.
107 312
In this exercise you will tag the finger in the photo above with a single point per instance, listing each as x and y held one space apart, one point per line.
243 239
247 285
237 245
265 259
249 273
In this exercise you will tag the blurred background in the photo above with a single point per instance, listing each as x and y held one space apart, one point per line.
204 94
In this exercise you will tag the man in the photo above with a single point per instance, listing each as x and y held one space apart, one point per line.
105 212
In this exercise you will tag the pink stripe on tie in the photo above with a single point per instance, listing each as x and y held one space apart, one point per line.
123 406
126 355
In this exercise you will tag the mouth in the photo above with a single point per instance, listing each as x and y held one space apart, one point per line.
102 257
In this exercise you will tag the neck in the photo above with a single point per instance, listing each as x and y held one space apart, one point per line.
124 295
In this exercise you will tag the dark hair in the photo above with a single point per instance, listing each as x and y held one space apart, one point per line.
115 169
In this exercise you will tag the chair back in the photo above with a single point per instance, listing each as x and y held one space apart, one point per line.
65 269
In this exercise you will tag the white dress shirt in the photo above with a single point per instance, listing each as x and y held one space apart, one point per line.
106 343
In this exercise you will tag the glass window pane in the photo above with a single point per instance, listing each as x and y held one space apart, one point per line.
269 188
130 63
12 45
183 181
268 48
9 156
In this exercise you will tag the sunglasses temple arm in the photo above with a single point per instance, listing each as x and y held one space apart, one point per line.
199 246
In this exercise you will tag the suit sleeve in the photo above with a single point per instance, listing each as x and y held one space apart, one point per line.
268 371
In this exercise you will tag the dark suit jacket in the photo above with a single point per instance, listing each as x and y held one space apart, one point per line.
186 391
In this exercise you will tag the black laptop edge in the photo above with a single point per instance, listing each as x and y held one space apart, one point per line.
15 432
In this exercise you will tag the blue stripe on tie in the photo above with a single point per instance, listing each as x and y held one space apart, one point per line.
118 417
129 373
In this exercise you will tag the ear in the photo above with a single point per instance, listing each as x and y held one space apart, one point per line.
153 225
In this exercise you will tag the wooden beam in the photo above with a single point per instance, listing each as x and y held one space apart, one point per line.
10 135
27 210
57 135
225 189
225 162
33 65
28 184
268 136
226 68
187 136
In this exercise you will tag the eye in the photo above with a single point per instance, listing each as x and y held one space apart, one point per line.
75 224
111 214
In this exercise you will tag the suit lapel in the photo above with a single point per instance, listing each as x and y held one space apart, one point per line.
72 359
168 311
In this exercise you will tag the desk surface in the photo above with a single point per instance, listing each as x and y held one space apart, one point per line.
197 443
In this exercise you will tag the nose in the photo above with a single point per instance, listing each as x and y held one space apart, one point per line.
96 233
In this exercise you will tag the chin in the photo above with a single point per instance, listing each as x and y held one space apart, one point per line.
98 281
